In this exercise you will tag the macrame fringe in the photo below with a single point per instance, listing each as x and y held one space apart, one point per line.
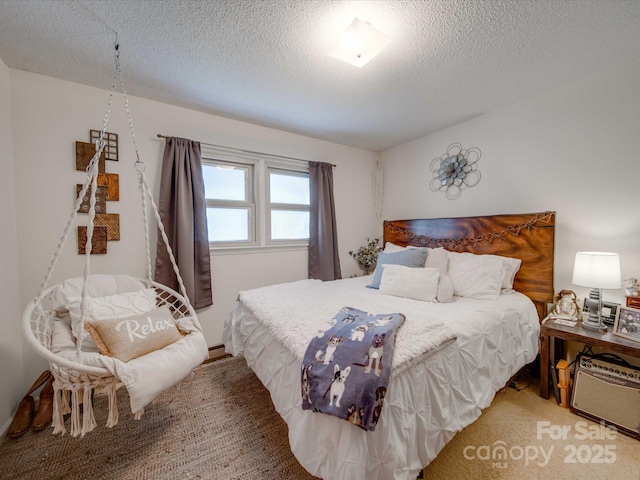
75 413
74 400
88 421
59 404
66 402
113 405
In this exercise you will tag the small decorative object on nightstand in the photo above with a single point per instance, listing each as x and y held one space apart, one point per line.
566 306
596 270
631 292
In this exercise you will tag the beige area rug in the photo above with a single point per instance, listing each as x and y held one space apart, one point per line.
522 436
221 425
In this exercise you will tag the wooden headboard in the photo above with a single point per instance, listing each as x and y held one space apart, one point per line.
529 237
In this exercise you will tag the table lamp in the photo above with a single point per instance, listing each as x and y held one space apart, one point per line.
596 270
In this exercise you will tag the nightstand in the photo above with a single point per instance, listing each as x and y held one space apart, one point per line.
607 340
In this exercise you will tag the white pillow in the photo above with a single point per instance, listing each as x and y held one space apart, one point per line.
392 247
112 306
439 258
415 283
445 289
510 267
98 285
475 276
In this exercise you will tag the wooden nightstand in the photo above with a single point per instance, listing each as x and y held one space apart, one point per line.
607 340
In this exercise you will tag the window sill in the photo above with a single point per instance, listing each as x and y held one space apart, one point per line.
253 249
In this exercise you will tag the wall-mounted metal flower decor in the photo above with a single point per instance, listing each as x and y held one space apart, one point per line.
455 170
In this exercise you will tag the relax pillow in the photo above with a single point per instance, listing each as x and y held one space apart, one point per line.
112 306
132 337
412 257
475 276
416 283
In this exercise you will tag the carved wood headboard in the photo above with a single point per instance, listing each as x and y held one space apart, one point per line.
529 237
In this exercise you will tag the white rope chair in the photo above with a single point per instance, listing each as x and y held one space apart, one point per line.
75 380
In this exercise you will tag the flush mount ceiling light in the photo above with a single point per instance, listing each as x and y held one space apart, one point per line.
359 44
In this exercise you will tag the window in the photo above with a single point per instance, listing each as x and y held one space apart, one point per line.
288 205
230 201
255 201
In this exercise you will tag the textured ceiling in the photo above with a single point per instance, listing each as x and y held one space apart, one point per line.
265 62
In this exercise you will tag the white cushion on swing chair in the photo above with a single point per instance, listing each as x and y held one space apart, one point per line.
144 377
98 285
148 376
108 296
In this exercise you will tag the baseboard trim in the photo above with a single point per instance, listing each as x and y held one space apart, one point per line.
5 428
216 352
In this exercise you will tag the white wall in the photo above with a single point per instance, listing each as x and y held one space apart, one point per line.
12 379
51 115
573 150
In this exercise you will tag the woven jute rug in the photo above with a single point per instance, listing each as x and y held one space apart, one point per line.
221 425
218 425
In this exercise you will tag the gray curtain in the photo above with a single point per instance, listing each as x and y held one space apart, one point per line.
183 212
324 260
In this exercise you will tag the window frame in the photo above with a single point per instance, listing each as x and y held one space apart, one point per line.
260 166
287 207
248 204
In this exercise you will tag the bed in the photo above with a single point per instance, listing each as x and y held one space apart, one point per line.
433 392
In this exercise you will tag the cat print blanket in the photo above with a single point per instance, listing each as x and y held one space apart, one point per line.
346 366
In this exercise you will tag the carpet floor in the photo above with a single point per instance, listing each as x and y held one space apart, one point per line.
221 425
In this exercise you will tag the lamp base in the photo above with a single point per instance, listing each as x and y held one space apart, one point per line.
594 326
594 320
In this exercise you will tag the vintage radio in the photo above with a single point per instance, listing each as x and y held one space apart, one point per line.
607 390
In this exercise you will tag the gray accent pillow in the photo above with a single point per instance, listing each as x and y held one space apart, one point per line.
412 257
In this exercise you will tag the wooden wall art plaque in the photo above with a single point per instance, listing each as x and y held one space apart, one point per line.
112 183
110 143
112 222
98 241
84 154
101 199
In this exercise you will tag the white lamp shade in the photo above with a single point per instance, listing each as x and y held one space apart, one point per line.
359 44
597 270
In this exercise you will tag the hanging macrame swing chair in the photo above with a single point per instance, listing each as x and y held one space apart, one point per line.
153 330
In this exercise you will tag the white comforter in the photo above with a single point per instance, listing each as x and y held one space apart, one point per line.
431 396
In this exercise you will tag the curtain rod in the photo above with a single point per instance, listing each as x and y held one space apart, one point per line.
248 151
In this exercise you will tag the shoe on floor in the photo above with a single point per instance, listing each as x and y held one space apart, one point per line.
22 421
44 414
24 415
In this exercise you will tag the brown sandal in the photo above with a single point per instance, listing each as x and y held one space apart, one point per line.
24 415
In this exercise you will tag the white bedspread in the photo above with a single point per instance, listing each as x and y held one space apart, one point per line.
295 312
430 398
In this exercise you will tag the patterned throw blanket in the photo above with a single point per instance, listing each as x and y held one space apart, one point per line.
346 367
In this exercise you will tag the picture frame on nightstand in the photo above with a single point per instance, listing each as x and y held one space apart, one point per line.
610 312
627 324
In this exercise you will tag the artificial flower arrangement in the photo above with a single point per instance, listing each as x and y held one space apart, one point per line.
367 255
